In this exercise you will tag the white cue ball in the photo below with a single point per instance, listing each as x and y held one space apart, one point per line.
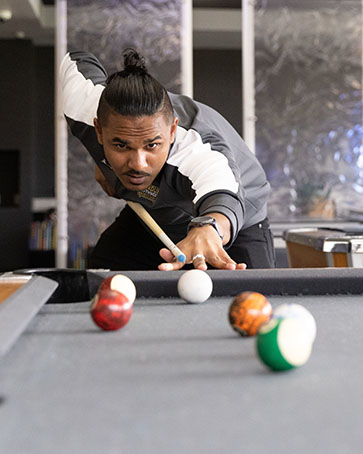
195 286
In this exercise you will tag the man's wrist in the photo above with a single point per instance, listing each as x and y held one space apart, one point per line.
202 221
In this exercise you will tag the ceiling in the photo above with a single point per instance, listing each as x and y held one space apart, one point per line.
297 4
30 19
35 19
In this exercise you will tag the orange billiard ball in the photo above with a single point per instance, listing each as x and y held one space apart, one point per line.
248 311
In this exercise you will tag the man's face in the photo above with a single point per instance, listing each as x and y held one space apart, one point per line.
136 147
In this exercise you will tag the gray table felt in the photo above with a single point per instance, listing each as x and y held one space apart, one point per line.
177 379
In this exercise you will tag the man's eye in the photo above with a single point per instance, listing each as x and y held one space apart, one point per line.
121 146
152 146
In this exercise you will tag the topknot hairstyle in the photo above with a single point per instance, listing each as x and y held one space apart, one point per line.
133 91
133 62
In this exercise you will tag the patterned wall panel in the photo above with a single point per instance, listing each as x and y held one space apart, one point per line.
309 108
106 27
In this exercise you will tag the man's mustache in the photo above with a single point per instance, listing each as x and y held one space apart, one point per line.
136 174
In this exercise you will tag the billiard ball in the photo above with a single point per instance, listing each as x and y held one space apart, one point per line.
248 311
110 310
283 344
293 310
120 283
195 286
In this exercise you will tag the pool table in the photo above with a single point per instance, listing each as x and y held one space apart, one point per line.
319 247
177 378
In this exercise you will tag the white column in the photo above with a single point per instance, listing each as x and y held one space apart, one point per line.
61 140
248 72
187 48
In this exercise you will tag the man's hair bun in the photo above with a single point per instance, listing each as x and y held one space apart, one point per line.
133 92
133 62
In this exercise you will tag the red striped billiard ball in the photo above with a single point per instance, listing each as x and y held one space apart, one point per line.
110 310
122 284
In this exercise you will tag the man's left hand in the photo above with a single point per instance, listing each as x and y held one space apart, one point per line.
203 246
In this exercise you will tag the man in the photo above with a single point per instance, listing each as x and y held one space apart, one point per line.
180 159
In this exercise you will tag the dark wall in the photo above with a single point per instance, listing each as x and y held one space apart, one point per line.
24 73
43 156
217 82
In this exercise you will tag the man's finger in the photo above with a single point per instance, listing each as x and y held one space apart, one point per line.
199 262
227 264
241 266
171 262
166 255
170 266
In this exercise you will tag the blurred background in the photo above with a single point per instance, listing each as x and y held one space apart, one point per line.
307 97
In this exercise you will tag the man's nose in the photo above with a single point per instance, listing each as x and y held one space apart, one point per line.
137 160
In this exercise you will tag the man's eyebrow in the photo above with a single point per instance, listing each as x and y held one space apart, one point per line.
126 142
116 139
152 140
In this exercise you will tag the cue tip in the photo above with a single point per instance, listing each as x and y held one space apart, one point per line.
181 258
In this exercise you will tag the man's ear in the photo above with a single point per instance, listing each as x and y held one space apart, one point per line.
173 129
98 129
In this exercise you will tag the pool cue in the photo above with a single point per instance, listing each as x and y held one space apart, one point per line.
155 228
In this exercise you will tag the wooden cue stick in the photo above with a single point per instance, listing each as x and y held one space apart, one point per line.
155 228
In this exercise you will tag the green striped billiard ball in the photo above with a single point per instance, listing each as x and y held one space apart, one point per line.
293 310
283 344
